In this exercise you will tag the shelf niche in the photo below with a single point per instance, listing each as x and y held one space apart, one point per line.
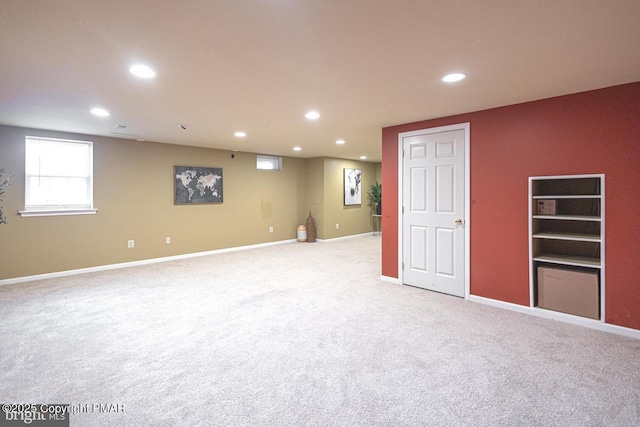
566 236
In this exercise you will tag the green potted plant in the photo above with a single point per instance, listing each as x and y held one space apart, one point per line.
375 197
3 186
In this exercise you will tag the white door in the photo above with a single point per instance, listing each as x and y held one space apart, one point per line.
433 197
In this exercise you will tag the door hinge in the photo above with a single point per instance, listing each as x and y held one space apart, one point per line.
403 266
403 210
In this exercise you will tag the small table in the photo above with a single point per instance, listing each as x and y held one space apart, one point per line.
378 219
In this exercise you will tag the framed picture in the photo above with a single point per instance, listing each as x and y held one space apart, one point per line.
352 187
197 185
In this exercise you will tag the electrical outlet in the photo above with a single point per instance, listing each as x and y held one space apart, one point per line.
130 244
337 226
270 229
167 240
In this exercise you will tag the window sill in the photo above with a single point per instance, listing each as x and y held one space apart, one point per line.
58 212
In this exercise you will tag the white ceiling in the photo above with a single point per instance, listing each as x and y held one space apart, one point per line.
260 65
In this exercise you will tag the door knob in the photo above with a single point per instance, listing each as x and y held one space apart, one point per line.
458 221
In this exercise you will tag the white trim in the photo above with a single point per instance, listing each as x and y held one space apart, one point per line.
389 279
58 212
137 263
603 252
561 317
275 162
584 175
530 222
351 236
158 260
55 210
601 176
467 202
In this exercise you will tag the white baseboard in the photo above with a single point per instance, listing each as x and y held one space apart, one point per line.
547 314
137 263
389 279
155 260
351 236
561 317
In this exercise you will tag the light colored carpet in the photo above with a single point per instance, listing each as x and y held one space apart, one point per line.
301 334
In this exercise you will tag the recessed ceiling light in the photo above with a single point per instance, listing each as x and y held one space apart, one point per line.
297 149
100 112
142 71
240 134
454 77
340 141
363 157
312 115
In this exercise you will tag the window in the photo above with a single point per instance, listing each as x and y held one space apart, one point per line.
58 177
268 163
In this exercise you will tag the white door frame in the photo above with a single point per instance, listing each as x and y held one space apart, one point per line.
467 196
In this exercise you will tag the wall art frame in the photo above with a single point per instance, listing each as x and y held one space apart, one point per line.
352 184
194 185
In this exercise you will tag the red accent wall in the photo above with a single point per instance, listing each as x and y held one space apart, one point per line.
589 132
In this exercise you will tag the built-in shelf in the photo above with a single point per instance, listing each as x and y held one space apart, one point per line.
566 239
567 236
586 196
571 260
569 217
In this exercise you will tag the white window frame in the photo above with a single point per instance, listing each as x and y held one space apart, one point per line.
45 209
274 162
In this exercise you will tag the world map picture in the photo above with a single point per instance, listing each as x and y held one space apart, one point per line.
195 185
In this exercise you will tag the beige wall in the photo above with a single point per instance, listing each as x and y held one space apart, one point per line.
133 192
351 219
315 194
